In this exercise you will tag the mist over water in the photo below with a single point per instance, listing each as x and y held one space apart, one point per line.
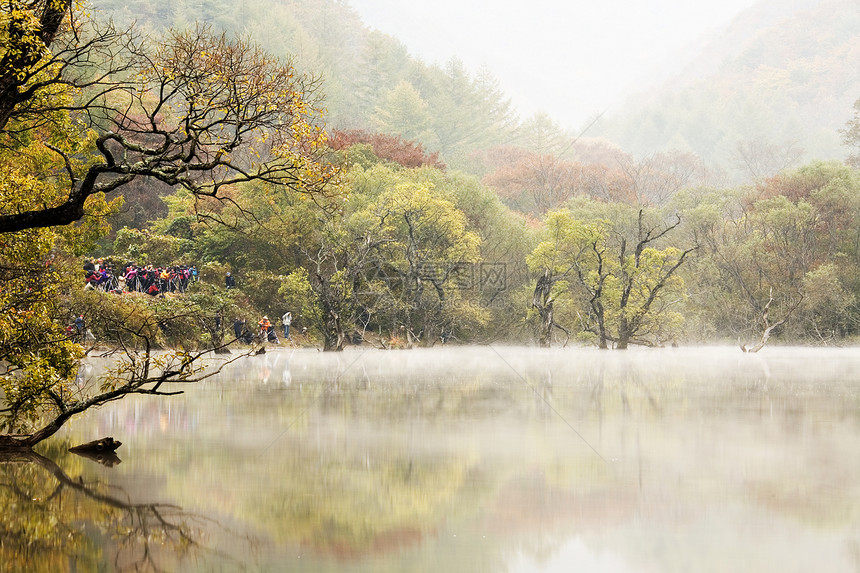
505 459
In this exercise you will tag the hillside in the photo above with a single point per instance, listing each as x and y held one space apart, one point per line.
782 77
368 79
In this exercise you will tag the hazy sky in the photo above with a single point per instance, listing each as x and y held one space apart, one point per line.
569 58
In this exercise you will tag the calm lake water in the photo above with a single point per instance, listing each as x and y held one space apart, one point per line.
466 459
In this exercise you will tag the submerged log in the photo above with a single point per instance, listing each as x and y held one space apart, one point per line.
105 458
96 446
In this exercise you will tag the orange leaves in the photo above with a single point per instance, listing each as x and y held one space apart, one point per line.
387 147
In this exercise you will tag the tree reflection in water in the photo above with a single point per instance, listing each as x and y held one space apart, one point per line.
55 522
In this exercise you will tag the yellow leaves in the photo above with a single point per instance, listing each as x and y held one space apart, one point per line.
21 191
20 41
568 243
39 356
419 219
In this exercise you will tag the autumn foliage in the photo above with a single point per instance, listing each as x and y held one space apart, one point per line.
387 147
535 183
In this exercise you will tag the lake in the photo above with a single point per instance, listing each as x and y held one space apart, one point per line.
463 459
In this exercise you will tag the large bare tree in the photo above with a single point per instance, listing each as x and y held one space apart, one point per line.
195 109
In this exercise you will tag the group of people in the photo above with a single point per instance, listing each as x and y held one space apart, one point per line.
154 281
267 329
130 277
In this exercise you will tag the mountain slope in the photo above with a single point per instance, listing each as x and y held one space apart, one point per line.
369 79
784 73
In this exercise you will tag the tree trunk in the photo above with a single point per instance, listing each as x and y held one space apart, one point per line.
546 315
542 301
431 335
602 343
333 335
623 334
8 443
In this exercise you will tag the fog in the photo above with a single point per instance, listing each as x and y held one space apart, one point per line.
499 459
570 59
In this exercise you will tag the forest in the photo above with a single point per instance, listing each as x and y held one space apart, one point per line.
406 205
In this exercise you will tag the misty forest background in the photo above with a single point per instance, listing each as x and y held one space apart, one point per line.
721 205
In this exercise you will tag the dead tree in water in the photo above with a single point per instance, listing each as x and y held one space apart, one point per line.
768 327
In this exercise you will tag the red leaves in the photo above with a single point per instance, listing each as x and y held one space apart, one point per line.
388 147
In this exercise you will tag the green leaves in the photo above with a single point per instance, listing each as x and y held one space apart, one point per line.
605 280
